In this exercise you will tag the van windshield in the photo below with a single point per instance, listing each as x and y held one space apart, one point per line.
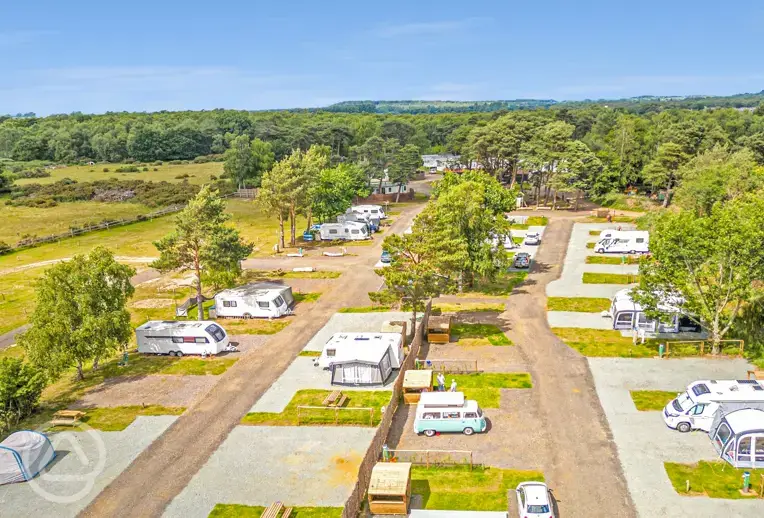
682 403
605 242
480 412
278 301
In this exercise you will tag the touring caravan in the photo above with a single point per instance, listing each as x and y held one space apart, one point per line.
443 412
361 358
257 300
694 409
628 315
372 222
178 338
624 242
349 231
371 210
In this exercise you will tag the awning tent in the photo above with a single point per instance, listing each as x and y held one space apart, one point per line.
738 436
23 455
371 365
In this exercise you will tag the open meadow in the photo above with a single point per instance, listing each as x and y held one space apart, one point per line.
197 173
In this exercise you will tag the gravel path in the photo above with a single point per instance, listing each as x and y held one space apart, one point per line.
576 319
644 442
74 470
168 391
570 283
354 322
258 465
164 469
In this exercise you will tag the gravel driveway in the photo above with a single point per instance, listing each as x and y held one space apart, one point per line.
644 442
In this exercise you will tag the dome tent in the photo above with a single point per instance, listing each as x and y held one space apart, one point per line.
23 455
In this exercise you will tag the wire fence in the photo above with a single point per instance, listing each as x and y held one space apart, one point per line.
452 366
682 348
432 457
313 414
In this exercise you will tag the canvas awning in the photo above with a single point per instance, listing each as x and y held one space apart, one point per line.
390 478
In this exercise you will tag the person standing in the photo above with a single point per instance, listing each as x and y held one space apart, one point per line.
453 385
441 382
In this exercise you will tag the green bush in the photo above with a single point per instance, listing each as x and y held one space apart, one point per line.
145 168
128 169
21 385
33 173
158 162
156 169
105 169
4 247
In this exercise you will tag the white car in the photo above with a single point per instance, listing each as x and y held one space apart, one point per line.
532 238
533 500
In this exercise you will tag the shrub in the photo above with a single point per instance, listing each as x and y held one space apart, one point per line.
175 162
182 176
4 247
33 173
145 168
156 169
213 177
127 169
105 169
158 162
21 385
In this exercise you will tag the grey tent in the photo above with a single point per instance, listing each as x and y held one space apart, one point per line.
738 436
23 455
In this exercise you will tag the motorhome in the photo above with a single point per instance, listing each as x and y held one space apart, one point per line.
181 337
445 412
256 300
624 242
361 358
373 222
694 409
371 210
628 315
348 231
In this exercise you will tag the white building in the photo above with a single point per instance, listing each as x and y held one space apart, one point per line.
256 300
362 358
389 187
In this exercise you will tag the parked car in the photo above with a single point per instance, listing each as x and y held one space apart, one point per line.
386 257
532 238
522 260
533 500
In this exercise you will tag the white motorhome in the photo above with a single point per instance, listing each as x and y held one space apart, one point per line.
371 210
256 300
624 242
348 231
628 315
180 337
694 409
361 358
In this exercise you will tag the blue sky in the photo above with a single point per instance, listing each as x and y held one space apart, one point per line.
59 57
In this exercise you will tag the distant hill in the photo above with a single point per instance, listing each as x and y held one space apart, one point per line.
641 104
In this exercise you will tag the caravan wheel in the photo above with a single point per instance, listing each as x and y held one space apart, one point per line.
632 252
179 354
247 315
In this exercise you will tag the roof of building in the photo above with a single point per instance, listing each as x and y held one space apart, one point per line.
390 478
746 419
417 378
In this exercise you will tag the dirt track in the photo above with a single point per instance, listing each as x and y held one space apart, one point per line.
148 485
581 462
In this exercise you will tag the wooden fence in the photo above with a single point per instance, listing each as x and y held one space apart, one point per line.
681 348
357 495
433 457
336 409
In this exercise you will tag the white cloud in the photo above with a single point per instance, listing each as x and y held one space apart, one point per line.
413 29
10 39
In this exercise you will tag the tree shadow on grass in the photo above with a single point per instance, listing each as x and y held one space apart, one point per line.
420 488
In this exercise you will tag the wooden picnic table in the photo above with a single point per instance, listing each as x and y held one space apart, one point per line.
67 418
336 398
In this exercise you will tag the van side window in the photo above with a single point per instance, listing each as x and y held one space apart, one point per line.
177 339
451 415
431 415
698 409
229 303
470 415
201 340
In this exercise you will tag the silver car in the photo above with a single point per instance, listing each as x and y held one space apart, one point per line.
532 238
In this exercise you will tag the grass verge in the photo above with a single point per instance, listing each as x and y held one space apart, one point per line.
307 297
580 304
609 278
485 387
310 354
499 287
253 326
255 511
615 219
590 245
478 334
116 419
715 479
462 307
531 221
609 259
650 400
365 309
460 489
260 275
355 399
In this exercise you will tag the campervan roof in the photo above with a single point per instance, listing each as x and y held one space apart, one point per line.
727 390
745 420
160 325
442 399
624 302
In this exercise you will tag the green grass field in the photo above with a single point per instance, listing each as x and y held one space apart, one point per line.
581 304
17 298
375 399
609 259
198 173
532 221
116 419
651 400
255 511
478 334
485 387
715 479
609 278
499 287
460 488
466 307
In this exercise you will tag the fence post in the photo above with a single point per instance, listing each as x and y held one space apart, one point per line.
336 415
702 347
470 460
371 416
667 348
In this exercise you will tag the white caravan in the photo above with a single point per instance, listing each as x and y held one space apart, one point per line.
348 231
257 300
372 210
628 315
624 242
179 337
695 408
346 346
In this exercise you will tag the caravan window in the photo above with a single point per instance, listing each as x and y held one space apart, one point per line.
355 231
470 415
723 434
331 352
332 230
278 301
201 340
640 240
263 305
451 415
216 331
229 303
177 339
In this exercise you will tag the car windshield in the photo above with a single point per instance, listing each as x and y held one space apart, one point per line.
682 403
538 509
